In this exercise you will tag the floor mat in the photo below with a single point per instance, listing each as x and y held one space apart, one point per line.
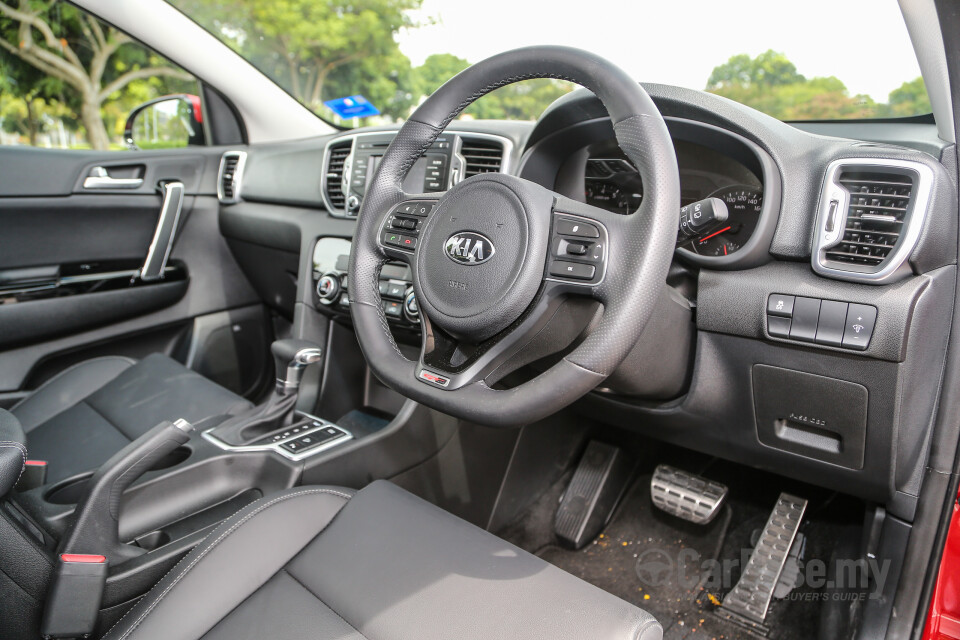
647 557
679 571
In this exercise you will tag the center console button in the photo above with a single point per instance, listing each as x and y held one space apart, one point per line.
778 327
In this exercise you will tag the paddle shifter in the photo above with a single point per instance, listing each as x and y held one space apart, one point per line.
291 357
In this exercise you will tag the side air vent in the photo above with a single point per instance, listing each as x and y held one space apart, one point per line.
230 176
875 216
336 158
871 215
481 156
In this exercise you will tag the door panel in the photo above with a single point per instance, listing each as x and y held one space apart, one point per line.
69 257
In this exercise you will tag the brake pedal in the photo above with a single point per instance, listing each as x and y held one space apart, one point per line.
593 493
750 597
686 495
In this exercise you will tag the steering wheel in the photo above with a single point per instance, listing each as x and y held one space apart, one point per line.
493 256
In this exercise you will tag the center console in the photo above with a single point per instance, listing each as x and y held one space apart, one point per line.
331 285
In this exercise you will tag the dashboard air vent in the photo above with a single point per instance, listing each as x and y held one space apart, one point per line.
230 175
871 214
337 158
481 156
875 216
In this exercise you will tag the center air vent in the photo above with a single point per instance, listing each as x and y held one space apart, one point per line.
336 158
481 156
871 214
228 179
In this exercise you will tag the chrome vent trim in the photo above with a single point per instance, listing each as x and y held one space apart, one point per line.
870 217
230 176
331 183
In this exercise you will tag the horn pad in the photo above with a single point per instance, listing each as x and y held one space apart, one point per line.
481 257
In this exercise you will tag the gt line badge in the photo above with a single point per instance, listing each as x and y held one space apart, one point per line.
469 248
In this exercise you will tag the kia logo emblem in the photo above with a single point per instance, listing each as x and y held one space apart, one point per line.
469 248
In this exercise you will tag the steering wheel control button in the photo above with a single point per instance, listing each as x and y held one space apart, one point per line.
575 270
433 378
422 209
780 305
778 327
406 207
408 242
858 328
806 313
391 238
576 249
576 228
830 327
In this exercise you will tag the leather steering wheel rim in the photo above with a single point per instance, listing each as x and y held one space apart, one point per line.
639 246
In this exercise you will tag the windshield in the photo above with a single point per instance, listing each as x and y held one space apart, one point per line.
364 62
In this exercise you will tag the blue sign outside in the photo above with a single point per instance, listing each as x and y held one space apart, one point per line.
352 107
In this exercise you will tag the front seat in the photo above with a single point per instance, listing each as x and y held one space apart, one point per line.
79 418
325 563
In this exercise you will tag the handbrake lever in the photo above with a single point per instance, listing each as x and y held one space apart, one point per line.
93 541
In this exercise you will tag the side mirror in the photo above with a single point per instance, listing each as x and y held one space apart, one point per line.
168 122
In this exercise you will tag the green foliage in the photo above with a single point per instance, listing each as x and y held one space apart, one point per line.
55 52
519 101
909 99
772 84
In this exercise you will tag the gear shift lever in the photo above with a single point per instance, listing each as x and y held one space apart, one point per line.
291 357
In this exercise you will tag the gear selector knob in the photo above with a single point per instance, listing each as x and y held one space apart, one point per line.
291 358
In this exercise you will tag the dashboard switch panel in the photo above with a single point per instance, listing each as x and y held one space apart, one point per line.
806 313
831 323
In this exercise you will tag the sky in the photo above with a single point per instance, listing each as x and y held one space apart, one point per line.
862 42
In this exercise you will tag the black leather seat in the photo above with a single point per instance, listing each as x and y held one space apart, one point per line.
325 563
79 418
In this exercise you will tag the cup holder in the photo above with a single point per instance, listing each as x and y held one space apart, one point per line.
71 490
68 491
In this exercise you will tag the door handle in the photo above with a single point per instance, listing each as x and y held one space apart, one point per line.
162 242
100 179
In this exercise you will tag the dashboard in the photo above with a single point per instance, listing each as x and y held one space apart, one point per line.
750 332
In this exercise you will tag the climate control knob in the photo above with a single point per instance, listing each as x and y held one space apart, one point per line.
328 288
411 310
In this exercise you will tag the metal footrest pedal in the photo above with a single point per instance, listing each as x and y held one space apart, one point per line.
750 598
686 495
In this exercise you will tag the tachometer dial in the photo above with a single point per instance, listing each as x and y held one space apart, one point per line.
744 204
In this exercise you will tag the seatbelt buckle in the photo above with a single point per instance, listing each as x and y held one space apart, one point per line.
75 596
34 475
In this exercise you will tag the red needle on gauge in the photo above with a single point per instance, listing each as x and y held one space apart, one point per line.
715 233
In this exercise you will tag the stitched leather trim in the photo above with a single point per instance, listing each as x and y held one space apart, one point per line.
206 551
10 444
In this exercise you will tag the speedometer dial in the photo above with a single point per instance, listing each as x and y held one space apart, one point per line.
744 204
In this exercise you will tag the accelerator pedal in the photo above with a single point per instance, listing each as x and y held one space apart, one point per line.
686 495
593 493
750 598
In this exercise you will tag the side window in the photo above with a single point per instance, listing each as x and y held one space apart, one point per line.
69 81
